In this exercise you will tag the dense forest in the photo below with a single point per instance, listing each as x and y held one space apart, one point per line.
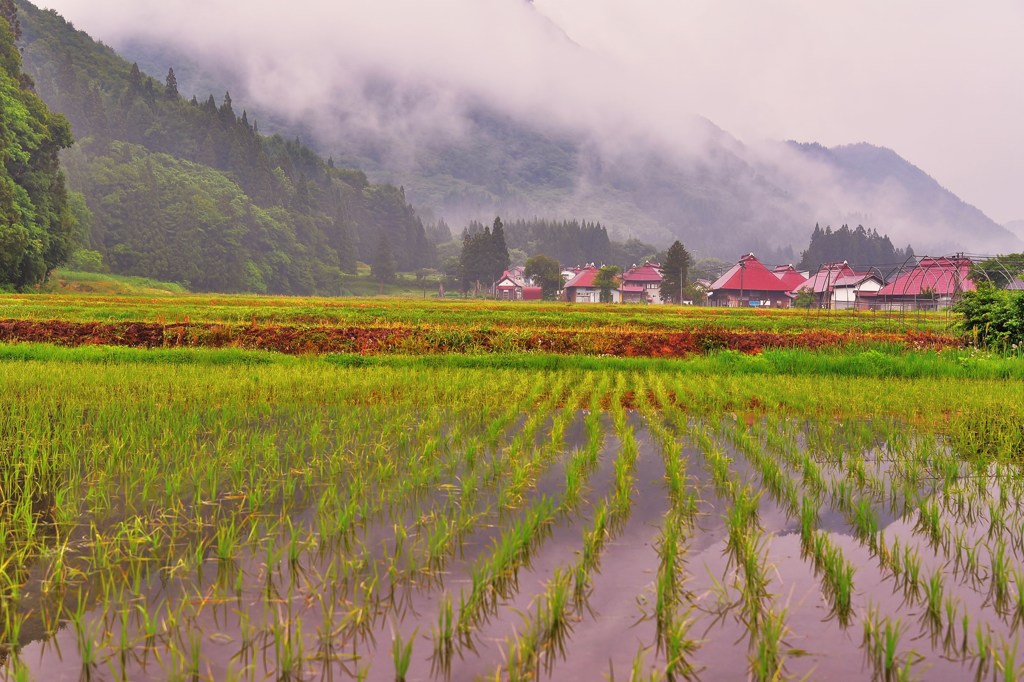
860 247
190 191
570 242
37 227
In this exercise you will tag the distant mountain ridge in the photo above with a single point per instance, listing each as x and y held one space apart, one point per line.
729 198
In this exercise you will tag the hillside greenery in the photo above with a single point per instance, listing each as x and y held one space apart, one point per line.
191 192
37 226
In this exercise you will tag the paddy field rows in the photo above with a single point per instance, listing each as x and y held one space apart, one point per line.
194 514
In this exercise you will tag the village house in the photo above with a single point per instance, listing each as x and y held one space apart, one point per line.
513 286
838 286
932 284
581 288
750 283
642 284
789 276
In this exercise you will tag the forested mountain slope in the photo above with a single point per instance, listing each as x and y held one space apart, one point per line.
190 191
463 156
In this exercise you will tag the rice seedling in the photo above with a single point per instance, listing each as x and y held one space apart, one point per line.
767 659
401 653
168 490
933 593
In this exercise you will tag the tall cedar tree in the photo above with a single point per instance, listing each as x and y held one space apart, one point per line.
36 225
383 269
674 272
484 256
499 258
171 85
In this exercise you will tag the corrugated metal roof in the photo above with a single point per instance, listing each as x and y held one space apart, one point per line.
855 280
583 278
826 277
937 276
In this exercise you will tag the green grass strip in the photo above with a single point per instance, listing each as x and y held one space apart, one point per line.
954 364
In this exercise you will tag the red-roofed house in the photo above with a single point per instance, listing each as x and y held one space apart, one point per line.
510 286
749 283
642 284
581 288
513 287
789 276
934 283
838 286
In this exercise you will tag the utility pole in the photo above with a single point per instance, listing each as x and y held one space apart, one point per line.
743 269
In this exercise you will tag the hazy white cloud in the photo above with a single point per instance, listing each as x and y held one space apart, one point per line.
937 81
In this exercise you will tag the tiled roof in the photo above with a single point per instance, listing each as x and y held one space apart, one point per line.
789 276
648 272
749 274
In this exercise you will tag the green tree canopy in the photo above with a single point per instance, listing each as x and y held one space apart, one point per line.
605 280
999 270
546 273
37 228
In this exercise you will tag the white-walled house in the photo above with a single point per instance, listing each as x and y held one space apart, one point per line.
581 288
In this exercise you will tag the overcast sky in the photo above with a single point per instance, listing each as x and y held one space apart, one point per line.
940 82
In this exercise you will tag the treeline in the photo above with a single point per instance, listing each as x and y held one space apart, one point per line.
37 227
571 242
858 246
190 191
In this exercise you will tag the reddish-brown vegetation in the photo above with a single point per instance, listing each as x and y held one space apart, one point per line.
319 339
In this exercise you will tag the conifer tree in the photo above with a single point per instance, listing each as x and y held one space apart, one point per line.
383 268
674 272
171 85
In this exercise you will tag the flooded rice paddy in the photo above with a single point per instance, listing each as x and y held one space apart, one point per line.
248 523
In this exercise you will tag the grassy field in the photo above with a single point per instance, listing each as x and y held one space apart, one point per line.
448 312
227 513
418 326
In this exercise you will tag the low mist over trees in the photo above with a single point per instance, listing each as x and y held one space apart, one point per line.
859 246
37 228
191 192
